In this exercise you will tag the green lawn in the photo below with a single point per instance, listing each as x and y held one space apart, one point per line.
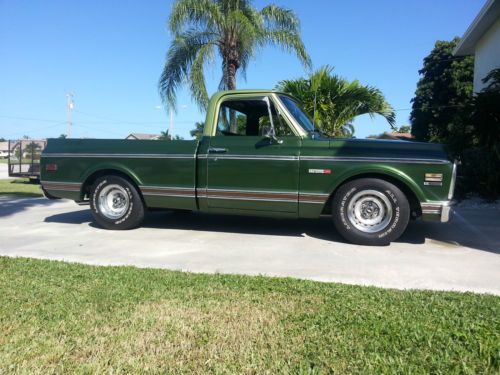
20 187
63 318
4 161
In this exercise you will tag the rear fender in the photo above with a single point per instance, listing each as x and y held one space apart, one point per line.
112 166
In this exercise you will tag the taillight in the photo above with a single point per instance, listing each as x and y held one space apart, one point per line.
51 167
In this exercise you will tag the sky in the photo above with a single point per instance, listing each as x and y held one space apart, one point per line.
110 54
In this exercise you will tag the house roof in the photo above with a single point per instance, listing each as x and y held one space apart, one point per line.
397 136
143 136
483 21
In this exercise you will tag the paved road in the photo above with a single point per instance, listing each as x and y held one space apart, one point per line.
461 255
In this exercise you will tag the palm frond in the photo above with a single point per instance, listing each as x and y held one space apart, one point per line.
335 101
281 18
197 78
290 42
181 54
194 13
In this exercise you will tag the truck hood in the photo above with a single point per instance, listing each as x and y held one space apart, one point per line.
381 148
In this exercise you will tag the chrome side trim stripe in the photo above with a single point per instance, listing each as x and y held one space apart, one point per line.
374 159
188 192
121 156
255 199
267 196
163 191
61 186
248 157
252 195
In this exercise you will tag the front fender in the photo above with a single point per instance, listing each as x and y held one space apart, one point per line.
381 170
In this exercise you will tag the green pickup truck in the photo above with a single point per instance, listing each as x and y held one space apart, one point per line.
260 154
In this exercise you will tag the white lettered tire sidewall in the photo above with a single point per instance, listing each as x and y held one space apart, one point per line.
131 218
394 228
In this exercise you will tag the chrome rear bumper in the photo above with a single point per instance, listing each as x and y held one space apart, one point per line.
436 211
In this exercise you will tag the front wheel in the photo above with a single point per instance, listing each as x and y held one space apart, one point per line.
369 211
115 203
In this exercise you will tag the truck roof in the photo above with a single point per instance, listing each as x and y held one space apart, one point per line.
220 94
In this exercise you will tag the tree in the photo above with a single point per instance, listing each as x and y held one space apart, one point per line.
334 102
63 136
232 28
486 114
167 137
481 162
404 129
197 132
443 98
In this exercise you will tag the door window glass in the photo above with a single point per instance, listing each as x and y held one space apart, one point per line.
249 117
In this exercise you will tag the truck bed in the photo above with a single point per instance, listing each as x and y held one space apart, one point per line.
150 163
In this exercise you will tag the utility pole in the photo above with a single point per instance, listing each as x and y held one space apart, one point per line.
70 106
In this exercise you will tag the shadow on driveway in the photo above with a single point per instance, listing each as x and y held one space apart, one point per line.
10 205
473 228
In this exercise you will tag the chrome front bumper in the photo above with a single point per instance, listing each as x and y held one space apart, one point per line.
436 211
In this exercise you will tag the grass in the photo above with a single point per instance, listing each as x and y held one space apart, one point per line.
20 187
4 161
62 318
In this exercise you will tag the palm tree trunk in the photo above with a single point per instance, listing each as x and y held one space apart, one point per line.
232 66
231 75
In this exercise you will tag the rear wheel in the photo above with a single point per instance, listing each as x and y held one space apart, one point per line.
115 203
370 211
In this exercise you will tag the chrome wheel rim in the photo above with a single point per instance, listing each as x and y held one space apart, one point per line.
369 211
113 201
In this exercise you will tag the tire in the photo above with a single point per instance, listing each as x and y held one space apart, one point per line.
369 211
115 203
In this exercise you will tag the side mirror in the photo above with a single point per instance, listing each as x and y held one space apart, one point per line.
270 134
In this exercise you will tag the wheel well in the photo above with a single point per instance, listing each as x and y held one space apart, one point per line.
415 208
105 172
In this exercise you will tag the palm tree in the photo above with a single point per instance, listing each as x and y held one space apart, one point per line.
165 136
197 132
234 30
334 102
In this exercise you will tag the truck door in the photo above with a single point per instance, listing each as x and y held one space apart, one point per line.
248 168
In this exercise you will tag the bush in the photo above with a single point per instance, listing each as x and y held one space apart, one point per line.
479 173
481 163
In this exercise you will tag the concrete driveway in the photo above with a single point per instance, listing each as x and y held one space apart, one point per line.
462 255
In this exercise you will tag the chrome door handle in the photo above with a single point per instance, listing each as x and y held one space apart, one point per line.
216 150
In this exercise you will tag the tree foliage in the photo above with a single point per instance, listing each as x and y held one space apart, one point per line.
443 98
165 136
197 132
232 29
334 102
481 163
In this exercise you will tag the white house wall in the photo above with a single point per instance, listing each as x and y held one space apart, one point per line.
487 55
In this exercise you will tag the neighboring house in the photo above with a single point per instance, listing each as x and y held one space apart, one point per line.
396 136
482 39
4 149
4 146
143 137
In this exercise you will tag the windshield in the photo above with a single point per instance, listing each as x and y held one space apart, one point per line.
298 113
